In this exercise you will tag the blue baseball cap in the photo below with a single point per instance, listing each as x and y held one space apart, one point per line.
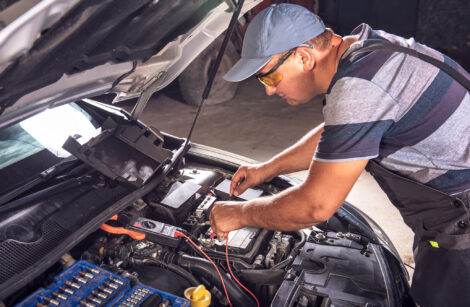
274 30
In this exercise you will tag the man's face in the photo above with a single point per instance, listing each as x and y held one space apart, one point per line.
297 84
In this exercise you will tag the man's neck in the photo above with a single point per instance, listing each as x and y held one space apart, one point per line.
341 44
338 46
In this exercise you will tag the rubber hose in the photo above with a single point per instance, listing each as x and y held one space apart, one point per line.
172 267
202 266
283 263
263 277
301 243
294 251
350 218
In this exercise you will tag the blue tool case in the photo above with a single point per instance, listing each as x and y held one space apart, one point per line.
86 284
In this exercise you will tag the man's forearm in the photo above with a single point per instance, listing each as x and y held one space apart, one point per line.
313 201
287 211
298 156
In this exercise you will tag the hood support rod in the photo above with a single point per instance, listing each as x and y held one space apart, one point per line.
215 67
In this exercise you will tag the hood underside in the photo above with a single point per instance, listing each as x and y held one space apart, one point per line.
95 47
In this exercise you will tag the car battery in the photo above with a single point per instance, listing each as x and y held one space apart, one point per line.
240 241
223 190
178 202
86 284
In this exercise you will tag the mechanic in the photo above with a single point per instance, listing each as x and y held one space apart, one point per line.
401 118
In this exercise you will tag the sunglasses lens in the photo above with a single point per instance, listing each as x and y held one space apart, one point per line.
276 77
265 81
272 79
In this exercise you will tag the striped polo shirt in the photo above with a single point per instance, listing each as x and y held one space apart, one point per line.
405 113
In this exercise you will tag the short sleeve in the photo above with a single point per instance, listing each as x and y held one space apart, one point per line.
357 114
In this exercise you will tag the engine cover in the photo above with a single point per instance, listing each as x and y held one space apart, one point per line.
333 273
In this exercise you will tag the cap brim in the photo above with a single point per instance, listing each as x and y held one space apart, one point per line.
245 68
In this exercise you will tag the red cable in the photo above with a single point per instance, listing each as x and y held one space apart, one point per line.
231 273
180 234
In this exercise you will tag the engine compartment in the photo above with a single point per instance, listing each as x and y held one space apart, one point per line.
147 245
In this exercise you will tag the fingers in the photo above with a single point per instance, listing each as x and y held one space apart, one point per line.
236 179
225 217
241 188
219 233
214 227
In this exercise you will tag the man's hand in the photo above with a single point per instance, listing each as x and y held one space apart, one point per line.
225 217
247 177
309 203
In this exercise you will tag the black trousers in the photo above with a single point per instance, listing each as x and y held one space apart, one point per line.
442 238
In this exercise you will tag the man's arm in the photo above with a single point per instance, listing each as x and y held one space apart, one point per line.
312 202
295 158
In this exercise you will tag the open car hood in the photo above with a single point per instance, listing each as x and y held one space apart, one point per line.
57 51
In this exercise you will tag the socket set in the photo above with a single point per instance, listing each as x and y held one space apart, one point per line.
148 297
88 285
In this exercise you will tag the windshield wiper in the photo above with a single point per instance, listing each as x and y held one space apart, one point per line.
42 177
46 192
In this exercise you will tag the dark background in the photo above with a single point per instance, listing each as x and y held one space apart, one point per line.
441 24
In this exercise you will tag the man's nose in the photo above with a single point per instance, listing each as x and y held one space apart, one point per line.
270 90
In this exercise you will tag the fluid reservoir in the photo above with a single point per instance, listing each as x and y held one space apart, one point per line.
198 296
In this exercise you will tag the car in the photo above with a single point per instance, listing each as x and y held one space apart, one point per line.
99 209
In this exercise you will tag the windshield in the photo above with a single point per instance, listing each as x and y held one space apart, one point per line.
35 144
47 130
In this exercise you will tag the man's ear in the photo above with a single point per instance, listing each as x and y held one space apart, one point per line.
306 57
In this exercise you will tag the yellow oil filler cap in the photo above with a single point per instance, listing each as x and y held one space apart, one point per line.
198 296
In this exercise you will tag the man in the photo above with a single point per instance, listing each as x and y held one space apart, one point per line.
406 115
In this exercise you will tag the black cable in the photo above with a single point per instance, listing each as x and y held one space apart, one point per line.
409 266
194 248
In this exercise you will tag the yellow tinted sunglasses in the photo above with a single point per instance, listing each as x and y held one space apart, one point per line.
273 78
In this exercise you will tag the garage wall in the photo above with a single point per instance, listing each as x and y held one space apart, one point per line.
441 24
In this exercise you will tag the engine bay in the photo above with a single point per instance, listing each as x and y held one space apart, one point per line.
152 252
